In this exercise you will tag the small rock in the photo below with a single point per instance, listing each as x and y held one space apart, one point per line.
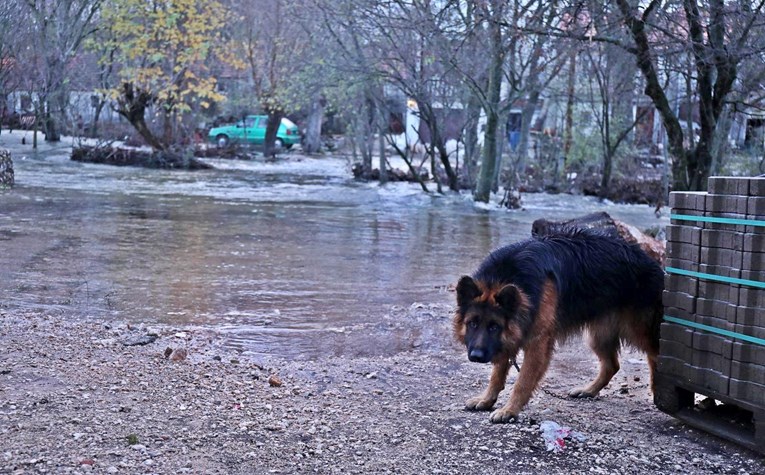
274 381
87 462
168 351
179 354
140 340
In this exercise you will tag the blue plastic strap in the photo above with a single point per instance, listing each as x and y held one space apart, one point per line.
719 331
718 278
712 219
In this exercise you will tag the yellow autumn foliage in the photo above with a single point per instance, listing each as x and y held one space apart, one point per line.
166 48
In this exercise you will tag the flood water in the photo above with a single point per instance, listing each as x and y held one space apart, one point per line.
291 259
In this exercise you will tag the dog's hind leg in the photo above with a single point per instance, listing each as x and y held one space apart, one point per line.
653 361
645 336
486 401
604 341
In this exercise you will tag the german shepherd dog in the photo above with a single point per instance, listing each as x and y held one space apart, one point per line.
530 295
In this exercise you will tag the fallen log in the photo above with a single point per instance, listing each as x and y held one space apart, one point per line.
603 221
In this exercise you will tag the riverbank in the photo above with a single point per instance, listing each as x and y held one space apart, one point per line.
643 187
94 397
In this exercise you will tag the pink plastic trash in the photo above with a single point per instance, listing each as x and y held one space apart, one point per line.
555 435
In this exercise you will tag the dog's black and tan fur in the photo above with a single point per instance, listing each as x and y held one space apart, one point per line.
530 295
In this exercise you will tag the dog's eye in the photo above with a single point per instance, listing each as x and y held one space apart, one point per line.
493 327
472 325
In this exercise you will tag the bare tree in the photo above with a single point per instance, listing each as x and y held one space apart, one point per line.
400 44
526 65
606 83
59 27
273 48
494 13
609 79
9 46
719 37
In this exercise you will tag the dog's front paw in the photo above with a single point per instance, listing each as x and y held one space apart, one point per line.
502 416
479 404
582 393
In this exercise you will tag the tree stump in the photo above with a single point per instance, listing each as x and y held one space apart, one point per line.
6 169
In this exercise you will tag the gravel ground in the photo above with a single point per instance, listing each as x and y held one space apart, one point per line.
75 399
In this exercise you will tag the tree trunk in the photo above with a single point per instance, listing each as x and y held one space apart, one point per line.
132 104
139 123
383 159
605 179
96 117
568 131
527 115
443 155
360 132
437 145
364 130
720 144
699 162
472 150
272 128
56 102
486 175
501 140
167 126
52 133
312 138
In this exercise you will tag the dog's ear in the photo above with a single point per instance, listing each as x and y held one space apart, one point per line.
509 298
467 290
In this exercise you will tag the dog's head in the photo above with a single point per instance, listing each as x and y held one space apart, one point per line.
490 319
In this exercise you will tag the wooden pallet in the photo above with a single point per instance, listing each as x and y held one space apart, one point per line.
677 398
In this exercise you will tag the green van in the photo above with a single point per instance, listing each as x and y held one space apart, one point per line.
252 130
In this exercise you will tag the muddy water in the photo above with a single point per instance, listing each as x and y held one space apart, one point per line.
291 259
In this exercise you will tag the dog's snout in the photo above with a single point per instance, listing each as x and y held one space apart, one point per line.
477 355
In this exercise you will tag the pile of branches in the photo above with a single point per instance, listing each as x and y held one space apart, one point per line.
127 157
394 174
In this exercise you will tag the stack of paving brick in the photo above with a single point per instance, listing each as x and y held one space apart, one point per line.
713 337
